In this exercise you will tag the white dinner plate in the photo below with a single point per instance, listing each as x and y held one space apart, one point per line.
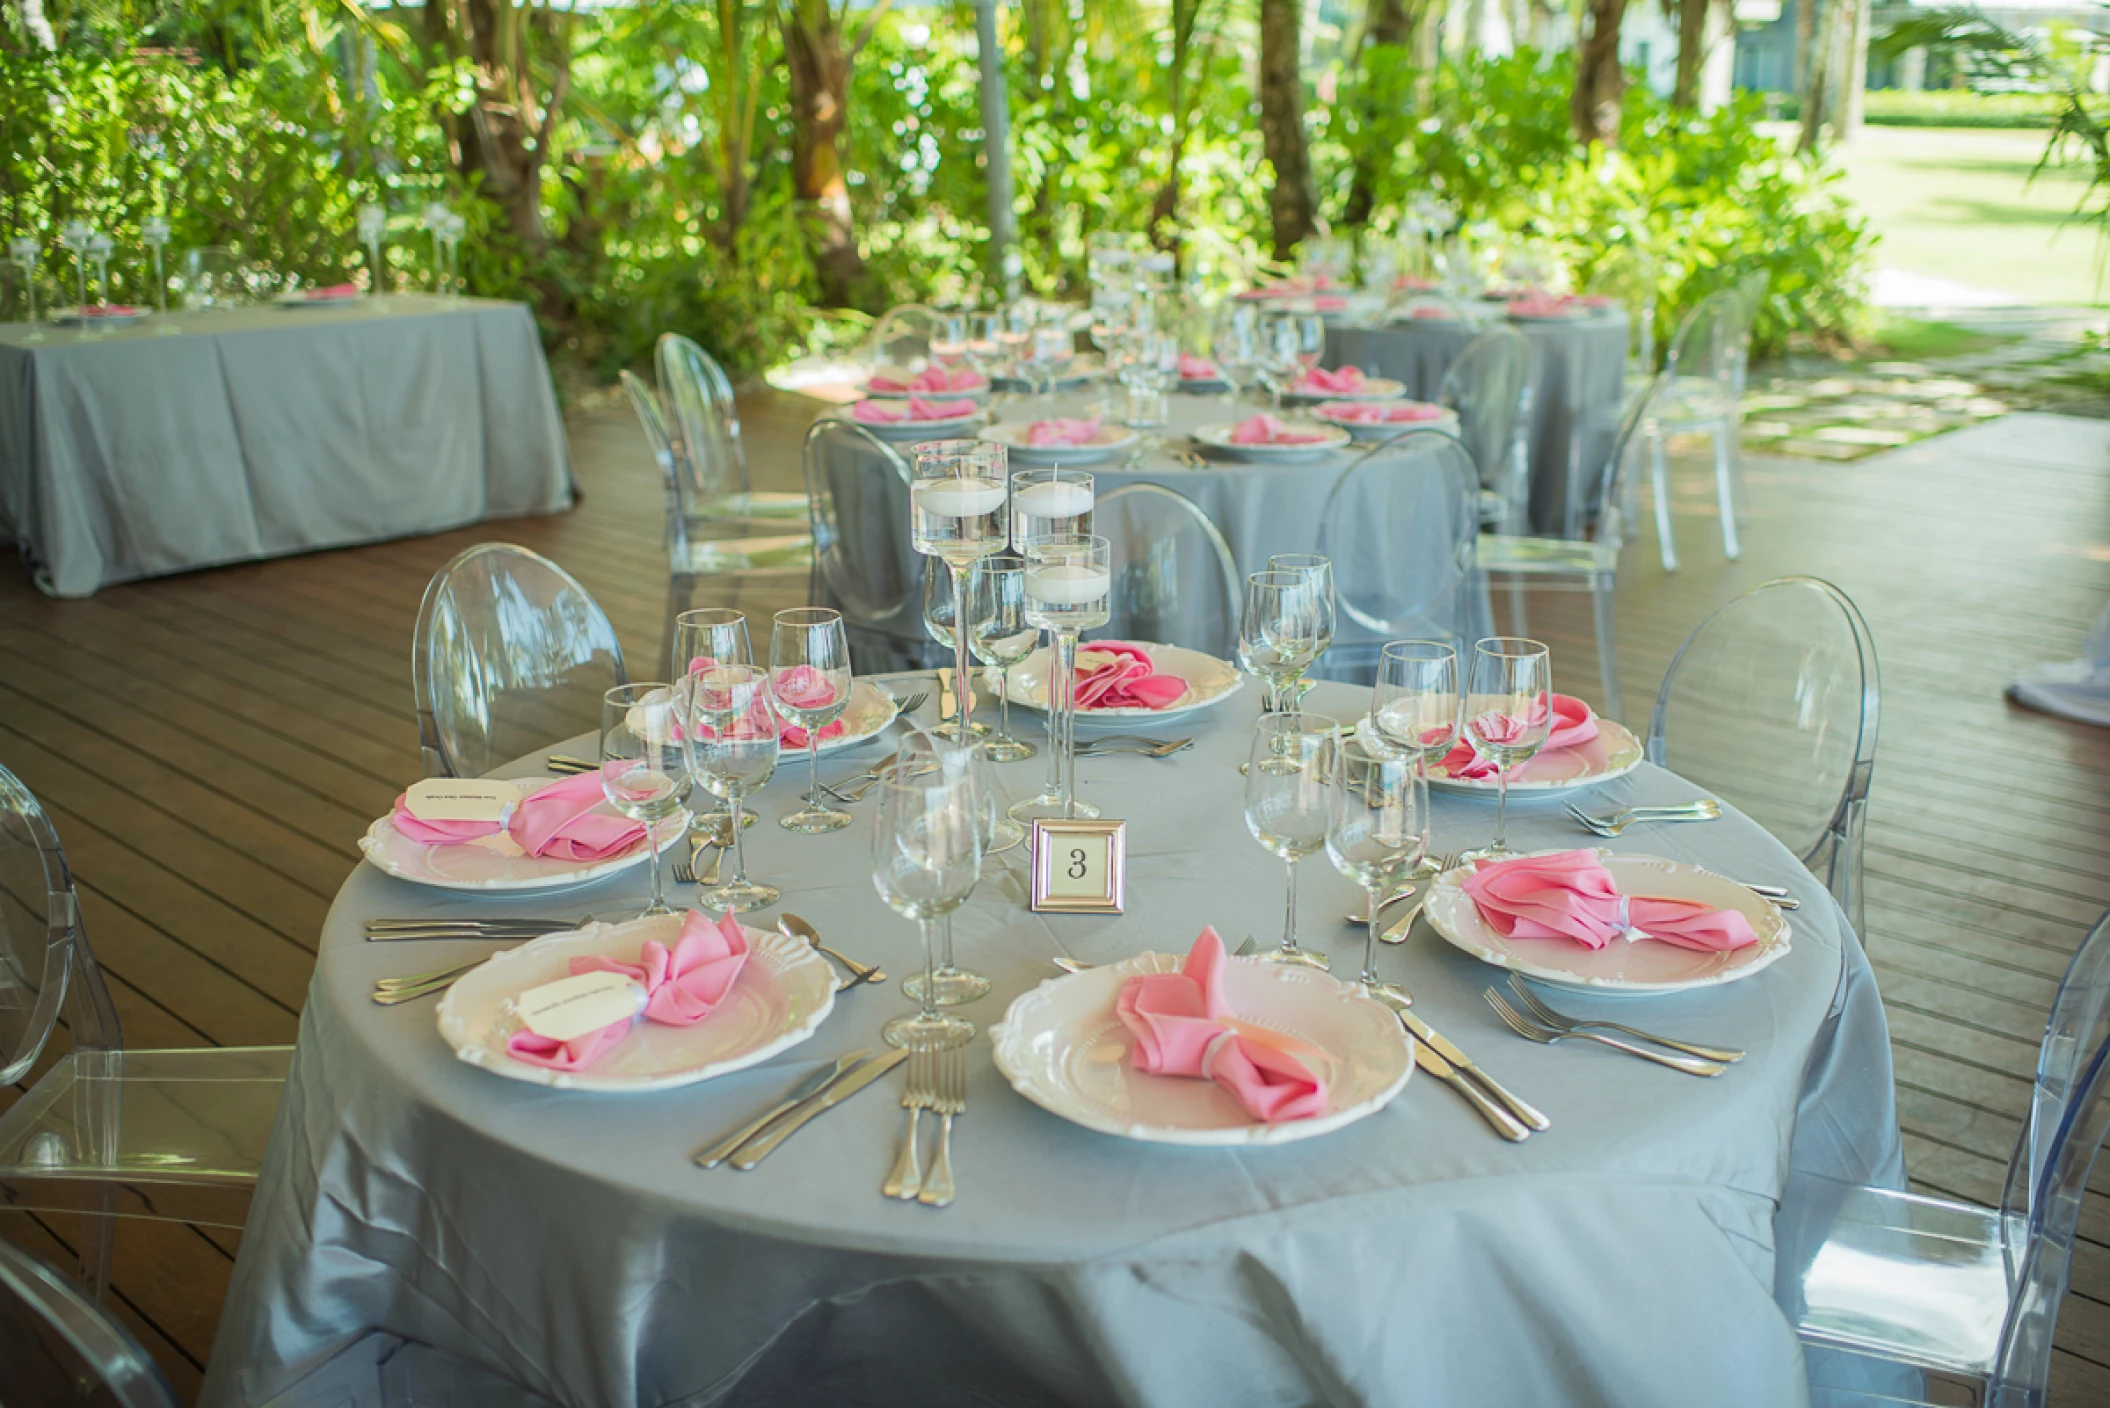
1386 429
1110 441
784 992
1615 752
302 300
898 431
1209 681
1638 967
864 384
1062 1047
496 863
1375 388
1218 437
75 318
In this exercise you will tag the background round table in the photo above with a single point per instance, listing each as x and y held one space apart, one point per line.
1578 379
420 1210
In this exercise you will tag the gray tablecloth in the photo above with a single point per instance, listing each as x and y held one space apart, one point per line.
1625 1257
1578 375
257 432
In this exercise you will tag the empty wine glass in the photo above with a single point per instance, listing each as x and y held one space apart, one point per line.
1069 582
985 348
1319 572
926 857
1414 707
155 231
809 681
1508 716
643 770
1287 789
937 624
1234 345
1377 832
1281 356
958 500
921 754
732 737
712 635
1001 638
948 338
1279 631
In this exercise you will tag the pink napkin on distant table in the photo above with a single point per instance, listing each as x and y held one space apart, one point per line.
555 822
939 379
1320 379
332 293
1413 283
918 408
1181 1023
1595 300
1063 430
684 985
1329 303
1430 310
801 686
1193 368
1540 305
109 310
1266 430
1573 725
1379 412
1123 678
1572 896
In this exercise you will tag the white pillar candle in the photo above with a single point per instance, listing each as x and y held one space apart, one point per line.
1054 498
1067 583
958 498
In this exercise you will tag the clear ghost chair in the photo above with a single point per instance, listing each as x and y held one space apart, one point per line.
1401 526
1952 1289
1753 288
1703 395
858 485
59 1347
105 1132
1176 582
510 654
1583 564
1489 386
1628 278
902 337
711 481
1772 703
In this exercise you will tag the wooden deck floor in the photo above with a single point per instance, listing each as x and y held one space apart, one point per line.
211 745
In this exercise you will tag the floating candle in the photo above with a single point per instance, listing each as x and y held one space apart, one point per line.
1056 498
1067 583
958 498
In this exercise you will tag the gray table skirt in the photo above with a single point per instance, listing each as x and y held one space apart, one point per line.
259 432
418 1215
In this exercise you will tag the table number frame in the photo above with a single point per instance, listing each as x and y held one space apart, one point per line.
1098 847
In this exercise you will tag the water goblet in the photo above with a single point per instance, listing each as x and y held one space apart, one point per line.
1279 630
1319 571
1234 345
713 635
1280 357
948 338
937 624
1508 716
23 251
732 734
809 681
1287 789
985 347
958 500
1069 582
1414 708
643 770
926 857
950 984
1001 638
1377 832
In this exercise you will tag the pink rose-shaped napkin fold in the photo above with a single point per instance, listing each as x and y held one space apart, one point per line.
935 379
1573 725
1572 896
1063 430
1379 412
1118 674
1193 368
1267 430
576 1054
1320 379
1181 1023
683 985
917 408
557 822
802 686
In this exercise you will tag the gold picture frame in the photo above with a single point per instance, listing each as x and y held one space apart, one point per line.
1092 877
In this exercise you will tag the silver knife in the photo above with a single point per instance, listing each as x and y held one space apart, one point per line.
813 1085
947 705
759 1148
1505 1124
1429 1036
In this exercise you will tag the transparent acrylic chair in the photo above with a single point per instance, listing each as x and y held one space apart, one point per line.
1772 704
1489 386
901 338
1177 582
1954 1290
1401 526
175 1136
510 654
858 486
1754 289
710 459
1703 395
58 1347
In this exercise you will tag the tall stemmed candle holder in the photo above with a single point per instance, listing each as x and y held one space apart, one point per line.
99 249
1069 582
957 504
23 250
1049 503
435 221
155 232
76 237
373 225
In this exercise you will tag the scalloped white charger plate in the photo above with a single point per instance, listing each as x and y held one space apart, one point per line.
1218 438
784 992
1062 1047
1111 440
1209 681
1373 388
1615 752
497 862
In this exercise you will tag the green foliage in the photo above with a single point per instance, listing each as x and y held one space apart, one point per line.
1959 108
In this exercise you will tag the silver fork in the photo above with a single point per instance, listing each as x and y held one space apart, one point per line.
1134 743
951 1101
1547 1036
1561 1022
388 992
906 1181
914 702
1705 809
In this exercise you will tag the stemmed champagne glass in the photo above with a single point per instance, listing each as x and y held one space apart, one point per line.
713 635
1508 717
922 755
1377 832
926 857
1319 572
643 770
1288 782
809 683
1069 579
937 624
1279 632
1001 637
957 501
1414 707
732 741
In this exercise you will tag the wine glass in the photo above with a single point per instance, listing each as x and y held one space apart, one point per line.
1377 832
1309 332
23 251
985 348
1001 637
75 238
1414 708
937 624
1319 572
1287 785
732 741
1508 716
1281 356
1069 581
948 338
155 231
809 683
926 857
643 770
922 755
1234 345
1014 334
1278 632
712 635
958 500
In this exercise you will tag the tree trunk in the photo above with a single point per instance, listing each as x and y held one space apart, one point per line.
1828 39
1692 52
37 26
1293 202
1387 31
1594 106
1807 78
504 136
819 60
1853 76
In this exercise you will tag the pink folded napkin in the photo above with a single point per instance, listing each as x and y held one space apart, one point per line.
555 822
1413 283
1193 368
1329 303
1431 310
918 408
1378 412
109 310
331 293
1572 896
1573 725
684 985
1118 674
802 686
1596 300
1320 379
1266 430
1541 305
1063 430
1183 1026
938 379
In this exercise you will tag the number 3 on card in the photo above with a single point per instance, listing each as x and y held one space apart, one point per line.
1079 867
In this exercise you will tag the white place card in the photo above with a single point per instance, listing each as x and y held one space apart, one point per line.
571 1007
460 798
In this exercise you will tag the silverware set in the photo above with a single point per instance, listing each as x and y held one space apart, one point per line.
1705 809
1546 1035
814 1096
937 1082
1509 1116
1143 744
791 926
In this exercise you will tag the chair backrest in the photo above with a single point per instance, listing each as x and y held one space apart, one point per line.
1402 549
1772 703
58 1347
652 417
43 948
1629 277
902 337
710 467
1487 386
857 486
511 654
1177 581
1705 345
1752 290
1615 485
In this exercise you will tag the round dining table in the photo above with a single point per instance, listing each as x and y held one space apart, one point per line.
425 1226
